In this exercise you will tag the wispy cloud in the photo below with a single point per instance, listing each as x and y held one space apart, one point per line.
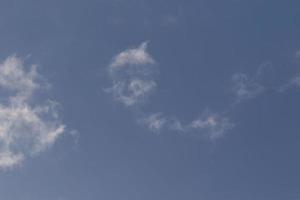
266 78
133 91
212 125
26 129
209 125
245 87
248 86
133 56
154 122
293 82
131 72
176 125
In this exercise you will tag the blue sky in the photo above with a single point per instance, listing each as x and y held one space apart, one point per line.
140 99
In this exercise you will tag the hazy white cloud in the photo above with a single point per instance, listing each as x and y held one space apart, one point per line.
245 87
214 126
133 91
266 78
131 72
154 122
133 56
25 129
9 159
176 125
293 82
204 123
209 125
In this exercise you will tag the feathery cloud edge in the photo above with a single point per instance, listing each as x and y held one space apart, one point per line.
26 128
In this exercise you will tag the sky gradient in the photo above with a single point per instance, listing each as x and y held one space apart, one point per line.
143 100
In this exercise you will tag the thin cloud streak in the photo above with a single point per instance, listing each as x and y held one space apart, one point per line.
211 125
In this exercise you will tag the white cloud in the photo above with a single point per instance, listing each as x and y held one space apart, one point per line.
212 125
154 122
133 91
25 129
8 159
134 56
245 87
204 123
131 72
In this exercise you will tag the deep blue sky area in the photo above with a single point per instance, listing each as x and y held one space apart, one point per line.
214 60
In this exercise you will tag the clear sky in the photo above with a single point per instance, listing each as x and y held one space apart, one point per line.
149 99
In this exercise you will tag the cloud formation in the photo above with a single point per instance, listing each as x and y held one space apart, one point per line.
245 87
131 73
132 76
293 82
154 122
209 125
266 78
133 56
26 127
212 125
